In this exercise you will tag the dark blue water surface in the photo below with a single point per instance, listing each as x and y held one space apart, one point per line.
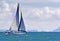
31 36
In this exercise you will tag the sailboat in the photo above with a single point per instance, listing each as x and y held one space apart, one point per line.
17 27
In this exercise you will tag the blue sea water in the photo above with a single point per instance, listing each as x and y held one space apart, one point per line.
31 36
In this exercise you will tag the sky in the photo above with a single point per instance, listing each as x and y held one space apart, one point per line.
38 15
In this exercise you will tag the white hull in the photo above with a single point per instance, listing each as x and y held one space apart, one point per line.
18 32
15 32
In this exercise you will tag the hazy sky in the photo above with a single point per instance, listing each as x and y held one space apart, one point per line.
38 15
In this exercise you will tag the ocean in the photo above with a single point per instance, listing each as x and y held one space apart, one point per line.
31 36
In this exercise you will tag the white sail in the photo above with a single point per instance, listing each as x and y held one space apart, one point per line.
21 25
15 23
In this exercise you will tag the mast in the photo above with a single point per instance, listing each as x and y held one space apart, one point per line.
17 16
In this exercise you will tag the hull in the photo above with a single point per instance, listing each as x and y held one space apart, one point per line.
18 32
15 33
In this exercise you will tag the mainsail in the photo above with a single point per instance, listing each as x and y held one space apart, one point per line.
21 25
15 23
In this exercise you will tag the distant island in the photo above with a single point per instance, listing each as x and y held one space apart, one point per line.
57 30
